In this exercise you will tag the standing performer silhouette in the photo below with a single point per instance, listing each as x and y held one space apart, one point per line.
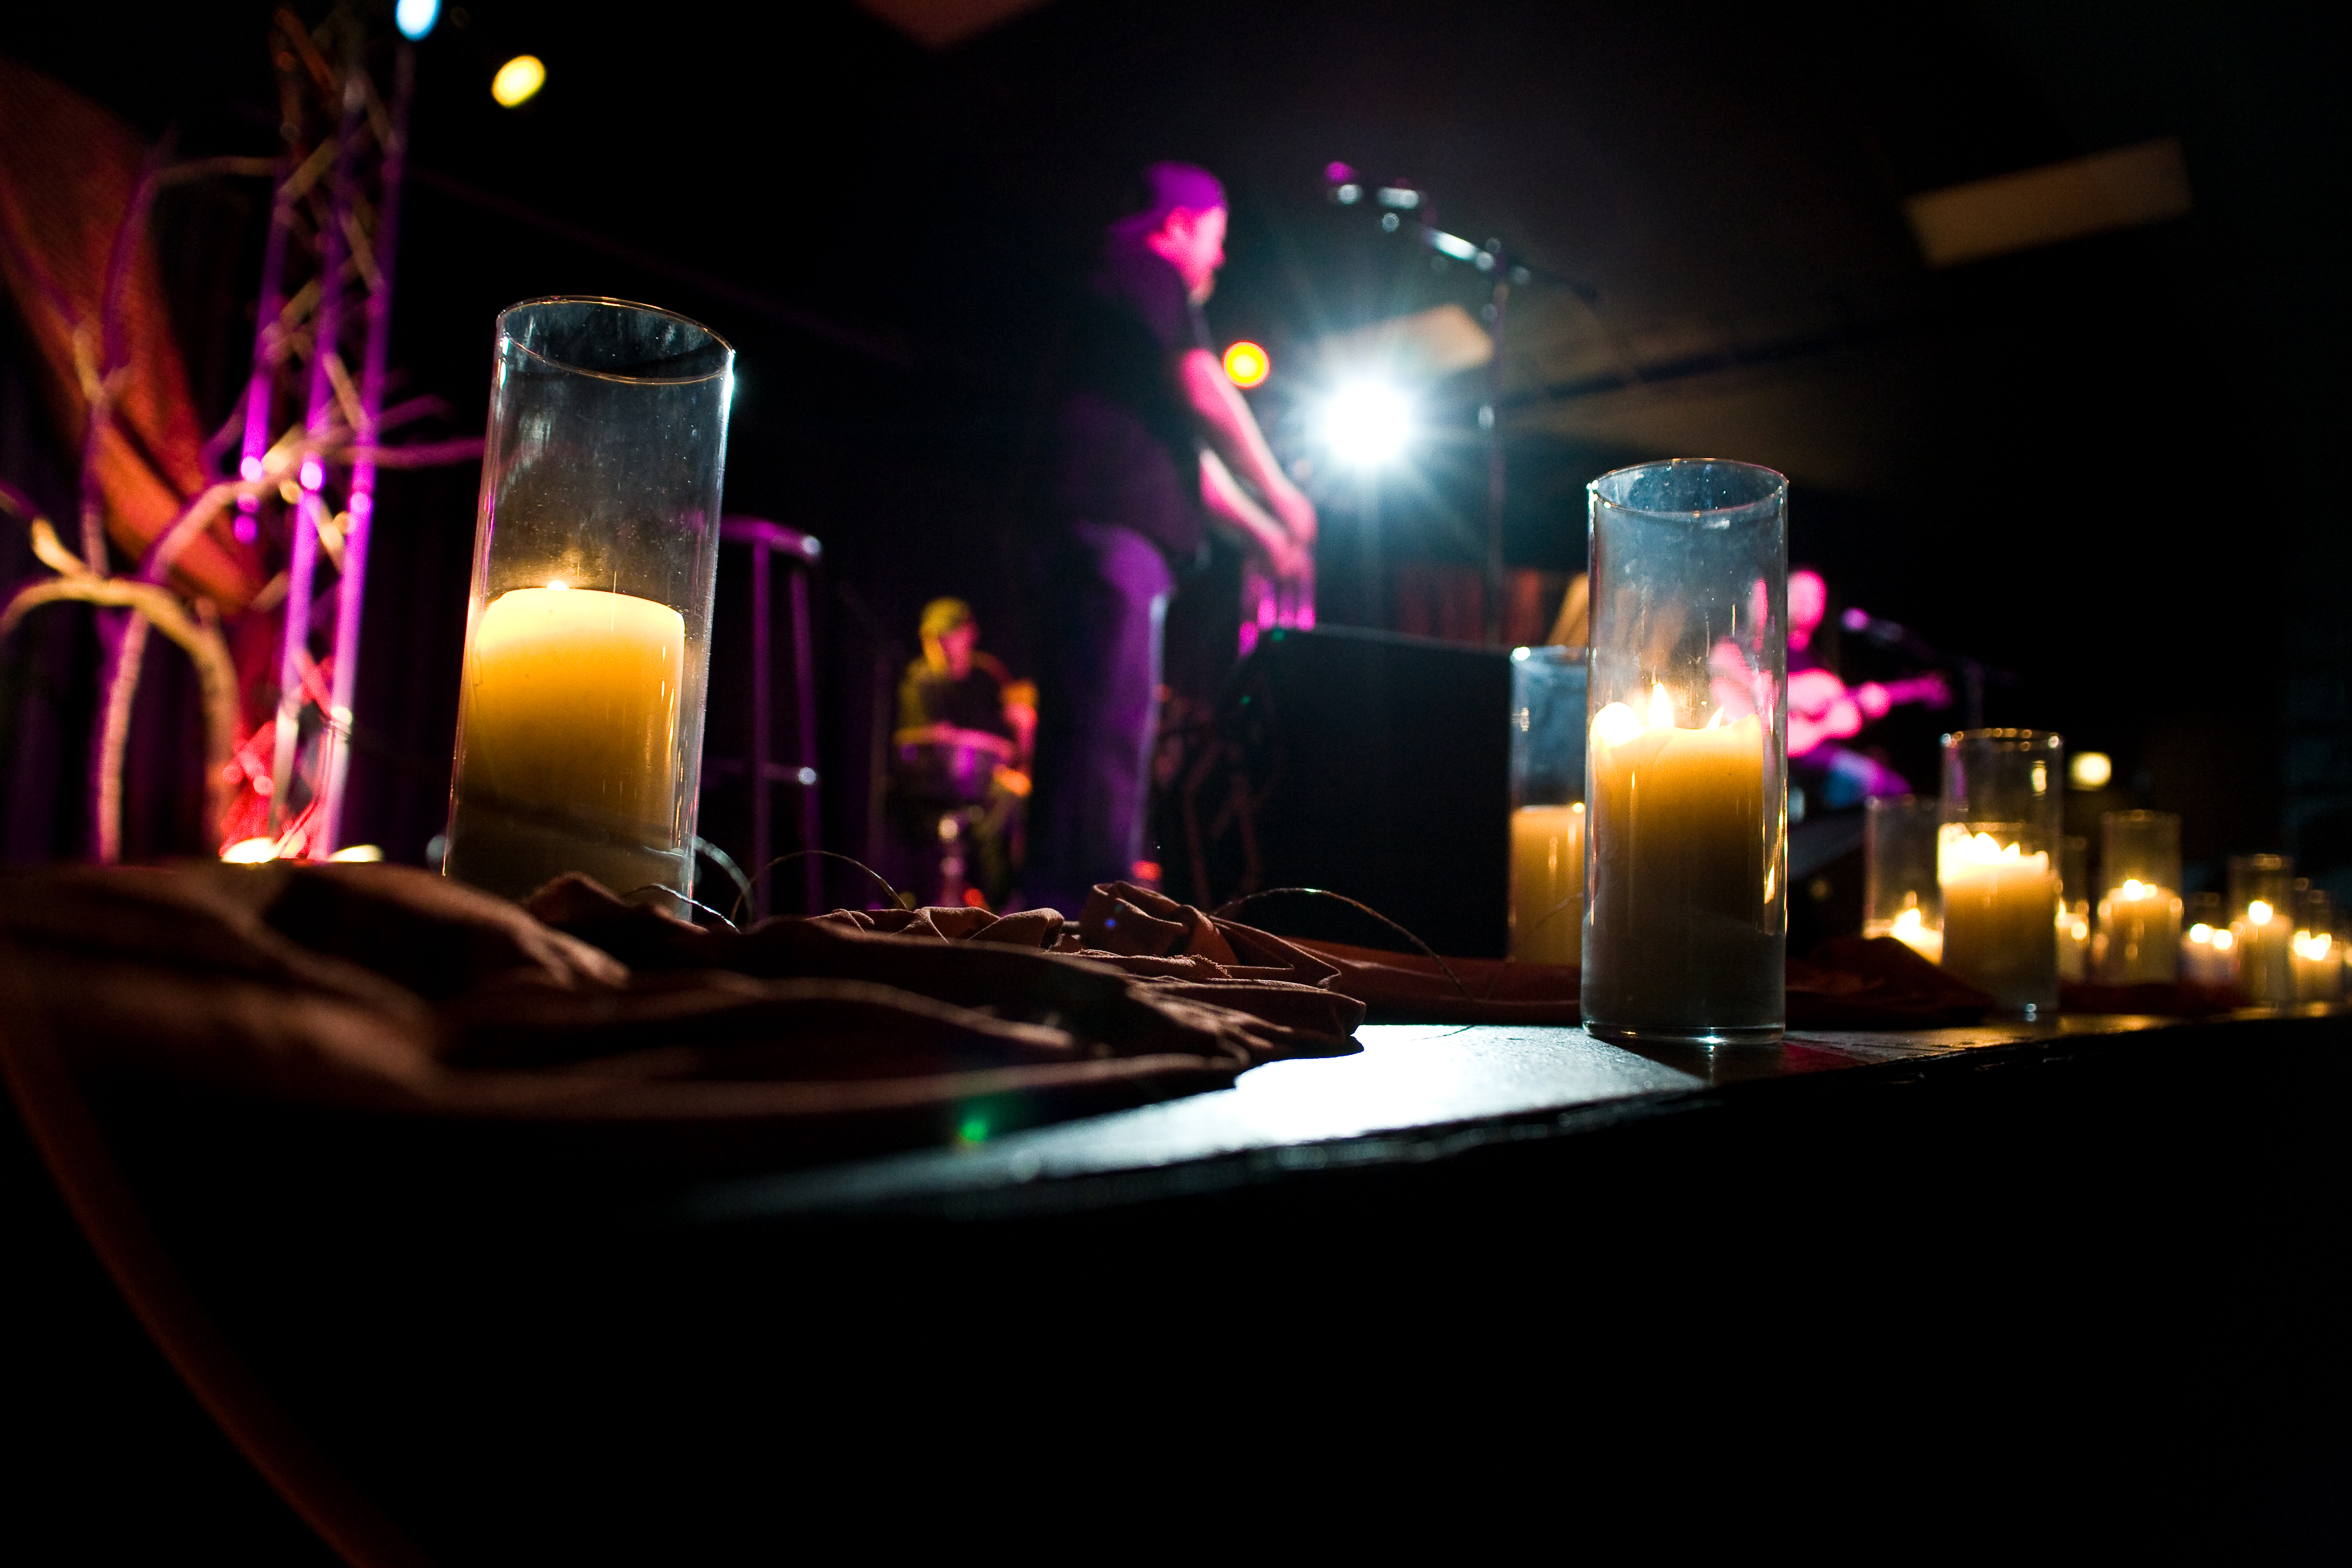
1153 444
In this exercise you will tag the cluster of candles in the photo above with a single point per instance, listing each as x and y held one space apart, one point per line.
1979 905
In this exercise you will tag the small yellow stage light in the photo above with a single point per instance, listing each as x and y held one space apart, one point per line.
518 79
2091 770
1246 364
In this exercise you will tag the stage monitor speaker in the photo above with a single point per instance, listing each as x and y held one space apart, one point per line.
1376 765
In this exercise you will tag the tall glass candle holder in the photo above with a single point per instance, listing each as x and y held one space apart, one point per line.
2318 965
1996 859
587 637
1899 895
2261 911
2209 948
2140 911
1687 899
1547 718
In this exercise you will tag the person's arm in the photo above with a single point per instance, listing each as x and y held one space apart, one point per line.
1234 435
946 734
1231 508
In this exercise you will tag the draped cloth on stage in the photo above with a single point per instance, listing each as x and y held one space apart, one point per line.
67 173
622 1035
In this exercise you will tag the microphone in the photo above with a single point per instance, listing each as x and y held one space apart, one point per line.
1860 621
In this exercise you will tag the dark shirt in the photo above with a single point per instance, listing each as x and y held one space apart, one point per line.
1127 452
928 696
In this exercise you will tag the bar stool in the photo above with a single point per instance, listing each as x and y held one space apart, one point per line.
768 545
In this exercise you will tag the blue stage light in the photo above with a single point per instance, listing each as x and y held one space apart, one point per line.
415 18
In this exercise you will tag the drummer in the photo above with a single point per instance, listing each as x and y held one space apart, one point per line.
956 695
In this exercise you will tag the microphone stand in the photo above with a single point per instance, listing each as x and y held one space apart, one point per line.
1490 258
1973 672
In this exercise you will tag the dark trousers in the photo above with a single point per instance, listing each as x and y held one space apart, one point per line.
1103 601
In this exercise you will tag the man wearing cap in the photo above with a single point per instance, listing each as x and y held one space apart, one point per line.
1153 444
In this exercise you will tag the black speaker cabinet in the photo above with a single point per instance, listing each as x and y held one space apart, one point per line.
1376 765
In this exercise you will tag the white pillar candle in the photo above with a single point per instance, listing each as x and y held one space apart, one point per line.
2001 917
2264 938
2141 922
1548 883
1681 876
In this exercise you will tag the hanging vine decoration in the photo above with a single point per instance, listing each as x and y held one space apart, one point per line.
339 227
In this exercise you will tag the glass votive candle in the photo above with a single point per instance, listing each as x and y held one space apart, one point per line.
2262 922
1997 861
1899 895
2318 965
2075 945
1686 898
2139 913
587 637
2209 948
1547 718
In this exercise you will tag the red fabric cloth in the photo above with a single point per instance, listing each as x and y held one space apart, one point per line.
1851 982
68 170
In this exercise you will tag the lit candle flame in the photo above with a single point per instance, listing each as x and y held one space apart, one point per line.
1957 851
1661 708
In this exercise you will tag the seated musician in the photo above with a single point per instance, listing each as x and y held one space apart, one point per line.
956 695
962 747
1823 709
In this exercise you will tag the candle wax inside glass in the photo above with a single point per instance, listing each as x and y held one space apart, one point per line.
571 702
1547 883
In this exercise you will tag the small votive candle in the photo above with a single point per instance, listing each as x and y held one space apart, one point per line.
2140 913
1547 720
2209 948
1900 895
2318 963
2262 891
1996 862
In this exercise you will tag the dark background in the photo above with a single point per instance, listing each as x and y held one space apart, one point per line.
2101 466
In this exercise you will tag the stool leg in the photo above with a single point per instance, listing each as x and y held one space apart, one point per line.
762 741
804 679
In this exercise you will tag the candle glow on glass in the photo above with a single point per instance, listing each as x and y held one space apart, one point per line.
1548 883
1911 929
2141 922
1678 861
572 698
2264 940
2319 966
2000 909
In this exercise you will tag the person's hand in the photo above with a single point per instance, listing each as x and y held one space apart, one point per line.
1296 514
1284 561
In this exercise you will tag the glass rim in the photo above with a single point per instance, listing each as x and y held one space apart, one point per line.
1776 495
1909 801
2004 739
725 367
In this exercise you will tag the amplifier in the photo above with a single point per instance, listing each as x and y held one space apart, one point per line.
1368 763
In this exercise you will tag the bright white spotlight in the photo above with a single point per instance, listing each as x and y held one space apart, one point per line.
1367 425
415 18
